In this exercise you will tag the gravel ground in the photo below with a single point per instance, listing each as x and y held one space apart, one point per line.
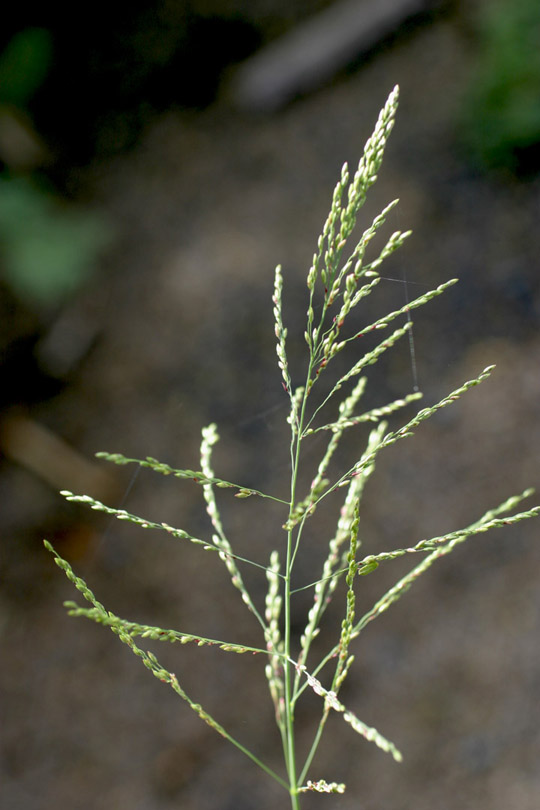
204 207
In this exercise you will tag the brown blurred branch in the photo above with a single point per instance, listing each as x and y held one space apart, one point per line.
313 51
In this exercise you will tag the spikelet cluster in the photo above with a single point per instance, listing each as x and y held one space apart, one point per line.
339 282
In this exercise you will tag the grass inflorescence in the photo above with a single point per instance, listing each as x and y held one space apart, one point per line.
338 282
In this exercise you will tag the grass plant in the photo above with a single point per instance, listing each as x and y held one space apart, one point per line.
338 281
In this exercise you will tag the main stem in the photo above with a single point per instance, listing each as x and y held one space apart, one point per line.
290 751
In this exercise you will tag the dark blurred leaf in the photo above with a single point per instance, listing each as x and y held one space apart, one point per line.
501 116
24 64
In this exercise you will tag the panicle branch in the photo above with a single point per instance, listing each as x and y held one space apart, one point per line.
323 787
449 539
144 523
331 701
421 416
274 642
209 438
109 619
196 476
280 331
326 586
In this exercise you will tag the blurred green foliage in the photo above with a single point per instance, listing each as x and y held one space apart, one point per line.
47 246
500 123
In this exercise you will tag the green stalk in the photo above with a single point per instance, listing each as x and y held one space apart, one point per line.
290 753
315 744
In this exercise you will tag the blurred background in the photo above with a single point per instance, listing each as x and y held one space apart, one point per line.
158 159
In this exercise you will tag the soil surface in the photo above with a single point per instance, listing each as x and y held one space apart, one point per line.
203 208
